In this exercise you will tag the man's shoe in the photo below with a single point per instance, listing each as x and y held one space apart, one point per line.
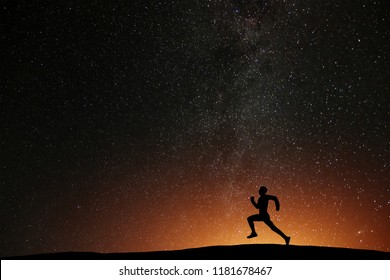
253 234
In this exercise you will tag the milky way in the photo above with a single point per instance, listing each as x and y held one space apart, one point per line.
147 126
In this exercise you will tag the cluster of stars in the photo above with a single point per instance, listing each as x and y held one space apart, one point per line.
146 126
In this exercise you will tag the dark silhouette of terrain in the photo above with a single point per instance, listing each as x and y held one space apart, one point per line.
234 252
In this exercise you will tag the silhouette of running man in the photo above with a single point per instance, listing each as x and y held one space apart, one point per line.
263 216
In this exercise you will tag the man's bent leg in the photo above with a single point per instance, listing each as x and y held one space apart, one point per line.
251 223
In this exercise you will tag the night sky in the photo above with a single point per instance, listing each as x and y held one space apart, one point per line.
148 125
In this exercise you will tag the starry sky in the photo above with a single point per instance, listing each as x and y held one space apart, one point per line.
148 125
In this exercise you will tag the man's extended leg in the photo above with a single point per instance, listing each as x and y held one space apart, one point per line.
251 223
278 231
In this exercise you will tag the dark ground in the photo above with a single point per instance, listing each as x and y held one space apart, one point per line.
236 252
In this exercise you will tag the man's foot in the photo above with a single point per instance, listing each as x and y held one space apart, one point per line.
253 234
287 240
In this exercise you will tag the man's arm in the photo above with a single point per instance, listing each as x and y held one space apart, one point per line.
254 202
274 198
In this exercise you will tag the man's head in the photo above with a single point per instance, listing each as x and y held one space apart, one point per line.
263 190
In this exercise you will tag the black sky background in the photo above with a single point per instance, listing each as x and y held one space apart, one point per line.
104 102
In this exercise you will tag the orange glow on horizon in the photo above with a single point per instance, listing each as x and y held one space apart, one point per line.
179 221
